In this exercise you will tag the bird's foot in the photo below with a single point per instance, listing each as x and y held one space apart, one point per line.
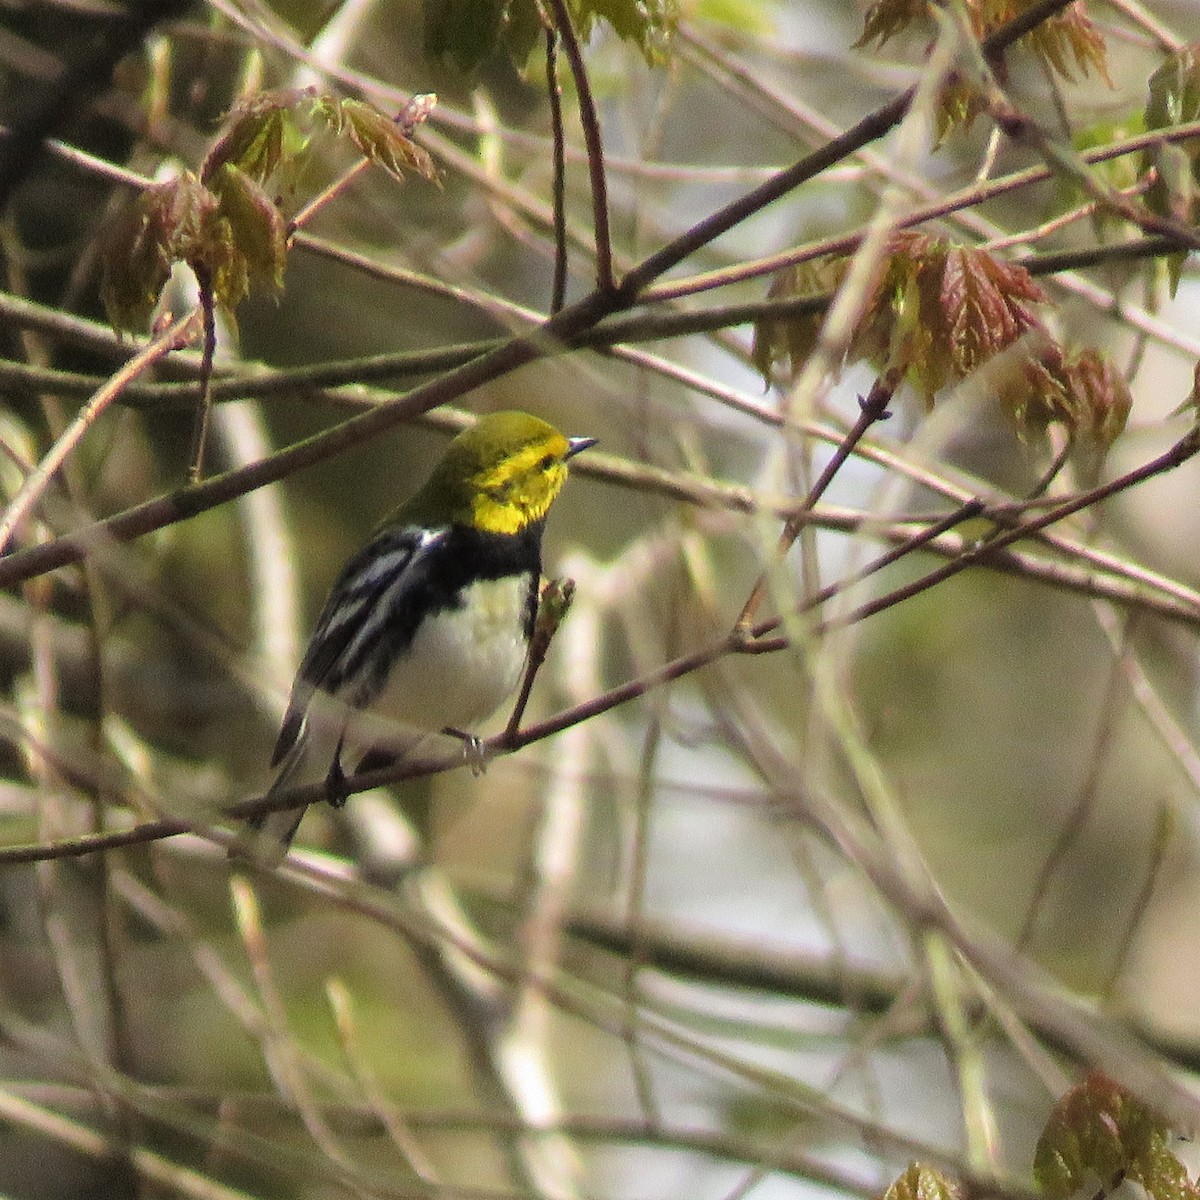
473 750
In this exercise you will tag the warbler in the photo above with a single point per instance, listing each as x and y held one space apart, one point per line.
427 627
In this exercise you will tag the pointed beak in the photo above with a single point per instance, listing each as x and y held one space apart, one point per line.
577 445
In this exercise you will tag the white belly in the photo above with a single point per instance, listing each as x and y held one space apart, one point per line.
462 665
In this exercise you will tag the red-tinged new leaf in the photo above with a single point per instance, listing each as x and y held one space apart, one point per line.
789 342
937 313
987 305
160 228
901 333
1082 390
1068 41
219 257
1084 1139
1099 1132
228 233
942 311
224 224
1071 44
959 102
1101 396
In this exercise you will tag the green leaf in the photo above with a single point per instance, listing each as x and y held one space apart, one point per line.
1175 90
259 134
463 32
383 140
649 24
256 227
522 31
466 32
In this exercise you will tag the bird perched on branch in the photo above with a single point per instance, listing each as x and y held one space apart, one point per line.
427 628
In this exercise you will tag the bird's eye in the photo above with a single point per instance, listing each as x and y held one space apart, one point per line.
547 462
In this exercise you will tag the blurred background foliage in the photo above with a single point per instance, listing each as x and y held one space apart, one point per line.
694 943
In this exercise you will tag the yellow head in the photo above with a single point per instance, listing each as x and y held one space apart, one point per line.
499 476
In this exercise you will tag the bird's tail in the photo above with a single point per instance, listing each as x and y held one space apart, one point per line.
265 838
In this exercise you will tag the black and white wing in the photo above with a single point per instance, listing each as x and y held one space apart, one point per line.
377 600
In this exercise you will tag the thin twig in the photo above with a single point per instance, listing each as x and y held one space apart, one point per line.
1183 450
1085 797
204 402
590 124
552 608
871 409
322 198
39 478
558 289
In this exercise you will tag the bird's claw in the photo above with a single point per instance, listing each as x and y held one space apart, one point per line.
474 750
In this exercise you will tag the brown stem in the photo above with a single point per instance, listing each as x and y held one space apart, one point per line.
1187 447
208 308
556 600
558 290
590 123
871 409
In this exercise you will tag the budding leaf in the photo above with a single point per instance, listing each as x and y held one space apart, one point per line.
1081 390
886 18
1099 1131
223 222
382 141
921 1182
1175 100
986 304
942 310
256 227
937 314
260 133
164 225
1068 42
791 340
